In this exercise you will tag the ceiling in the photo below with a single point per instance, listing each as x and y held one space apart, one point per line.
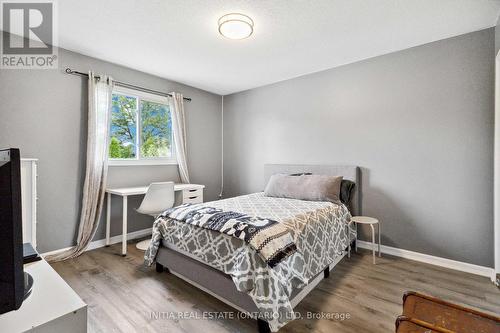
178 39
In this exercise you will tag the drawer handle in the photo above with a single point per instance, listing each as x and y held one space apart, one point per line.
192 198
194 190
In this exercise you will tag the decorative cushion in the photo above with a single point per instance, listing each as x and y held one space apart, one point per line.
346 191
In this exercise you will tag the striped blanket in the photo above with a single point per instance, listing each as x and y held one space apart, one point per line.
270 239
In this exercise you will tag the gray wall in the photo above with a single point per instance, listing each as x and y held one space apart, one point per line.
43 112
420 124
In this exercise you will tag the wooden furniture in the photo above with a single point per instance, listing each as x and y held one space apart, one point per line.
52 306
371 222
29 199
441 316
187 193
410 325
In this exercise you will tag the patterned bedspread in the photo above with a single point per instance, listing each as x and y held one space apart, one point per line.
319 230
269 238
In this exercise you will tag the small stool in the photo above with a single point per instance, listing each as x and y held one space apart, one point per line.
369 221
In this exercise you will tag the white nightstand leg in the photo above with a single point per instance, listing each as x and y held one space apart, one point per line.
124 231
379 233
349 239
373 242
108 218
356 241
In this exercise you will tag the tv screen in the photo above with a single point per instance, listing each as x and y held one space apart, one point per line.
11 238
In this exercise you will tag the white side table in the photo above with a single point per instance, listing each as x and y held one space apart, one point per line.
371 222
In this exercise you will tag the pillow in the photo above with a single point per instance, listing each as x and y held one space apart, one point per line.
346 188
346 191
305 187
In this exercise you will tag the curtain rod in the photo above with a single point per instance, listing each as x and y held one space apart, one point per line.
126 85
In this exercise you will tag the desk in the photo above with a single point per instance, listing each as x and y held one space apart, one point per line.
191 193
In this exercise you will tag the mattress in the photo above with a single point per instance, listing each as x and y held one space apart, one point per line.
319 229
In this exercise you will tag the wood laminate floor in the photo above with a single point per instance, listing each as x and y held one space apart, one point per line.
124 296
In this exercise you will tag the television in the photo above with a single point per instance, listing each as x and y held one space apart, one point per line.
15 285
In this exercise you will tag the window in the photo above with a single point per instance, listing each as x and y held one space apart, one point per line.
141 129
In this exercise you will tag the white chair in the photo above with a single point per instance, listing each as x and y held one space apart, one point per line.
158 198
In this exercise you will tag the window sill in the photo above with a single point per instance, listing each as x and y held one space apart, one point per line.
141 162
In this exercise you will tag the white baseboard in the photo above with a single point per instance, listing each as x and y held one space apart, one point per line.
437 261
102 242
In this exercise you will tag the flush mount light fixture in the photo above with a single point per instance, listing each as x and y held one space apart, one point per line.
235 26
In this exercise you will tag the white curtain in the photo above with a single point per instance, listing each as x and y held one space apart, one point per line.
176 103
99 109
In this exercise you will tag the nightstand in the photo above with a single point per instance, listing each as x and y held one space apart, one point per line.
371 222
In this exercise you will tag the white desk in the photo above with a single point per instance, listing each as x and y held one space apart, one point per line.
191 193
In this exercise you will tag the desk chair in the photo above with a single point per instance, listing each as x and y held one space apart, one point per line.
158 198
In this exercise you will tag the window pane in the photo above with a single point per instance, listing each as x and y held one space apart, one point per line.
123 130
156 130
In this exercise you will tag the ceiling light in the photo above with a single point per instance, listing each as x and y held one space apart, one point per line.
235 26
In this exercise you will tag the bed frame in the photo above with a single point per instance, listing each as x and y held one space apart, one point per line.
220 285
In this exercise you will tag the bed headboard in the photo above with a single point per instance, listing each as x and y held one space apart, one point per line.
349 172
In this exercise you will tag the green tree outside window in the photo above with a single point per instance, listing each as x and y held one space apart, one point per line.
155 128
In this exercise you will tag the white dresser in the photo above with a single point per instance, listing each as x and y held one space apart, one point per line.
29 174
52 307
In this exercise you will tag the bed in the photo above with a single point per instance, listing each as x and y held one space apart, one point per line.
228 269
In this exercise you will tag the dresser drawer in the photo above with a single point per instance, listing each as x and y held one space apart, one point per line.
193 200
191 193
